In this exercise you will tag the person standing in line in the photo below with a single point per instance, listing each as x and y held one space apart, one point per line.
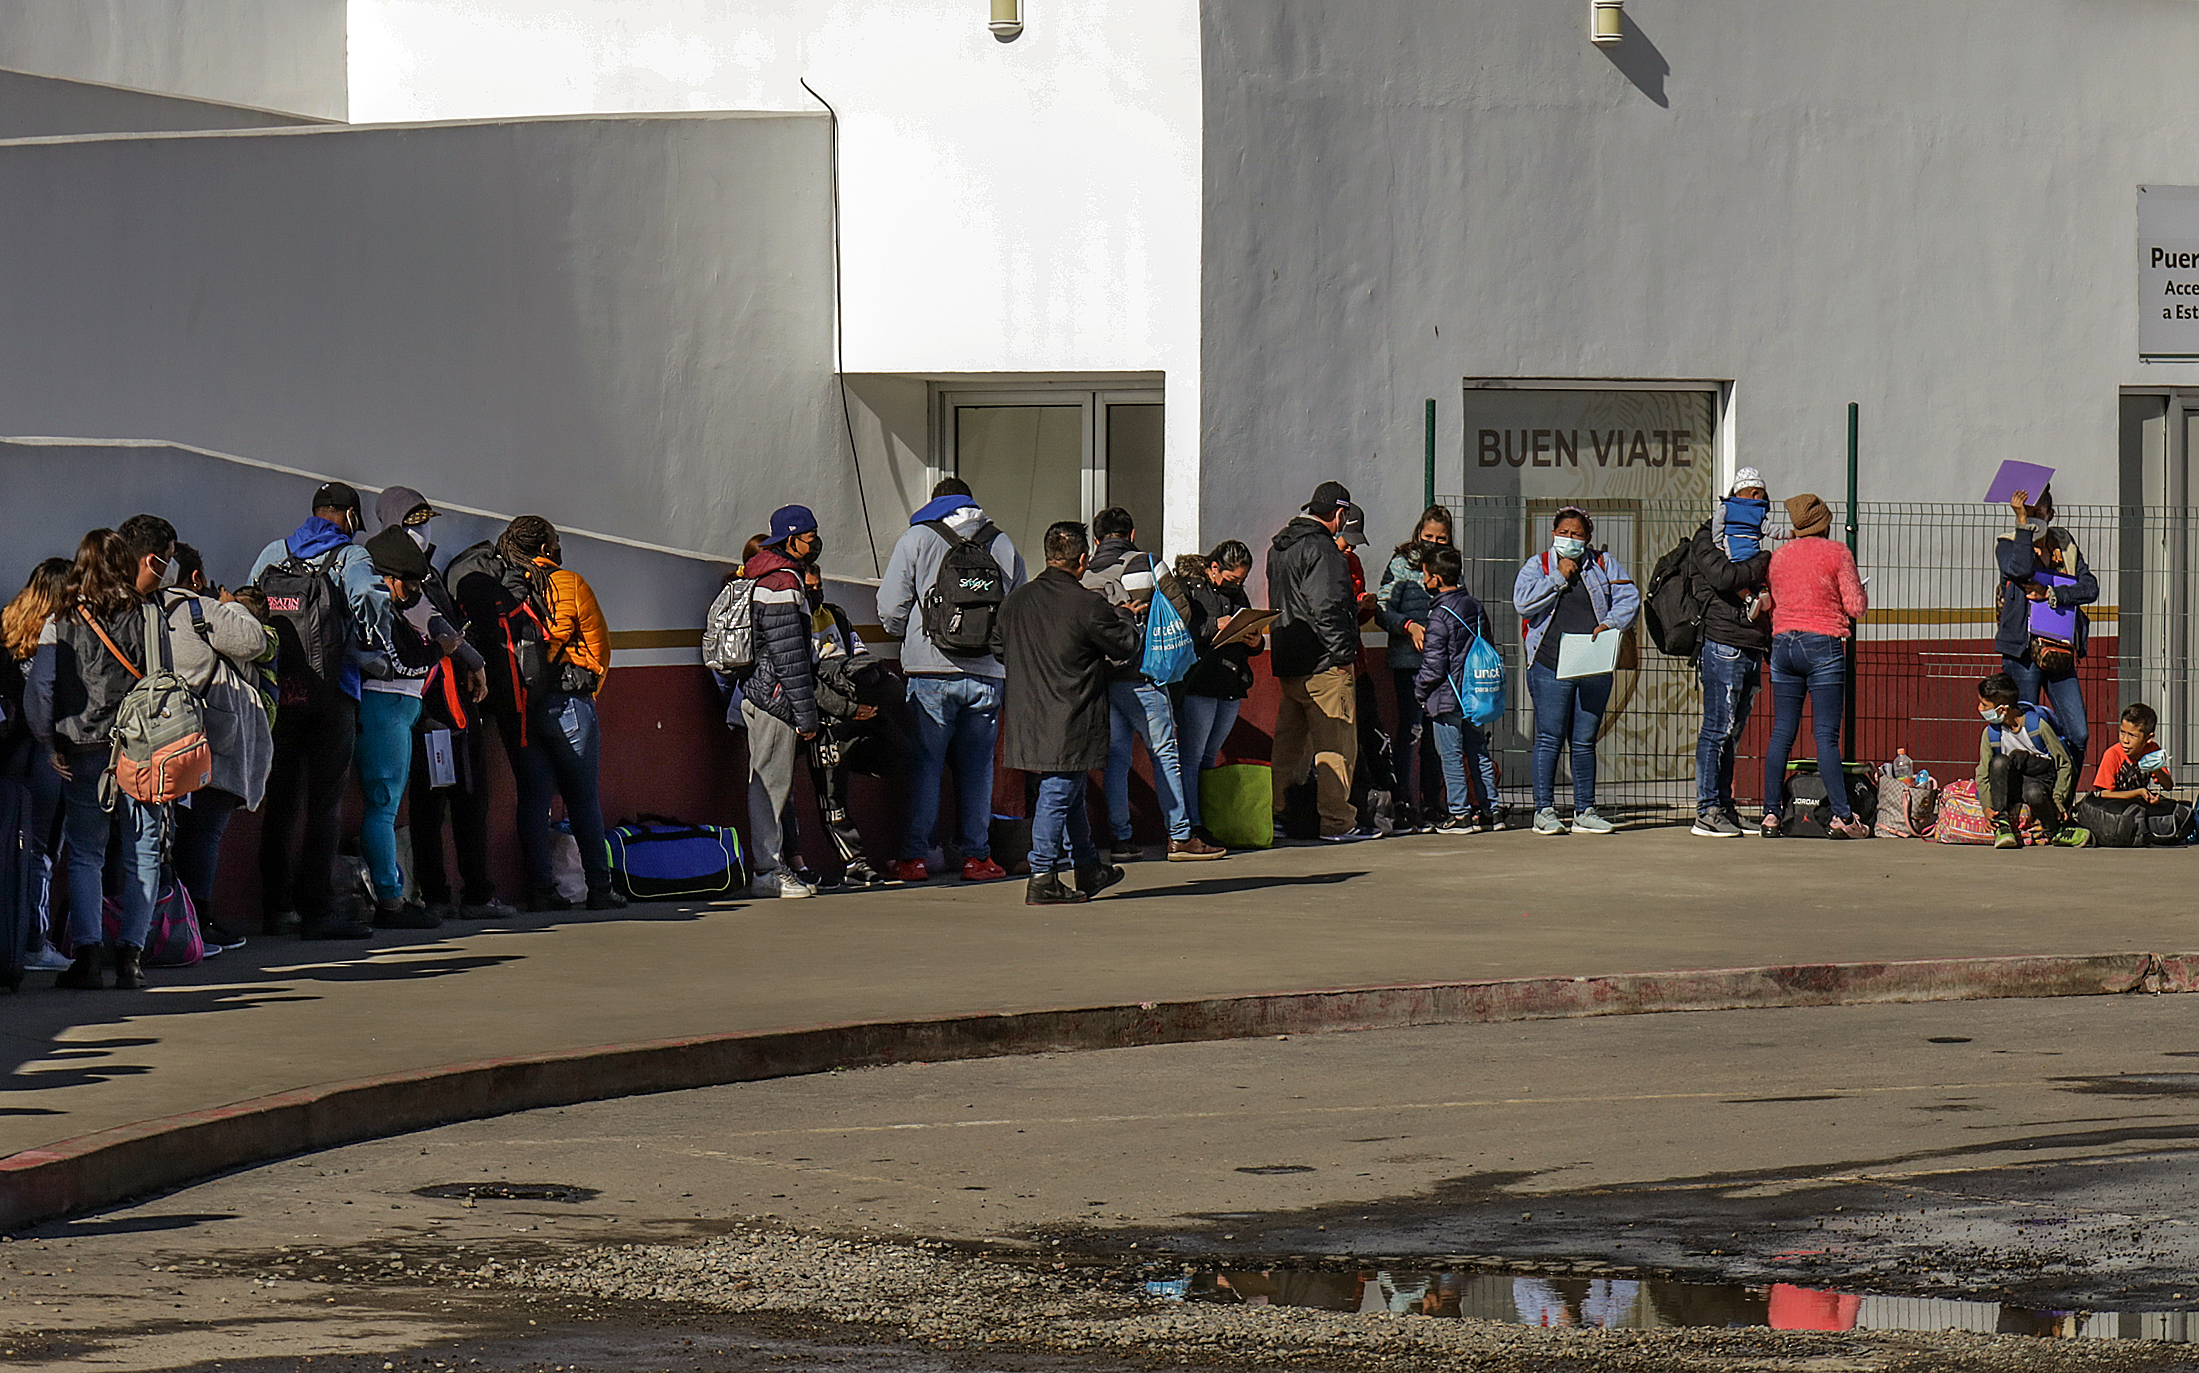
419 641
779 695
1736 643
2041 562
1455 621
953 696
1816 598
1316 644
1062 639
1213 692
219 646
851 687
90 654
22 759
1137 706
1570 588
1402 606
317 723
451 700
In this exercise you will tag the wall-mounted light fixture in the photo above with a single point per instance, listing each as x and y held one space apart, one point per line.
1007 25
1606 21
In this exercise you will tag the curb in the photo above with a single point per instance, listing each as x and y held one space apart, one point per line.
152 1155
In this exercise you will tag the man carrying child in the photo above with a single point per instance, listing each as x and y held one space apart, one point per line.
2022 761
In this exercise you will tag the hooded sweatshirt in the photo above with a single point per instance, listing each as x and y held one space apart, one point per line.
352 571
910 574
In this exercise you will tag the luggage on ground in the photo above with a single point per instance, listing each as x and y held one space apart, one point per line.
1907 807
1962 817
660 859
1809 812
1237 802
2135 824
20 911
173 940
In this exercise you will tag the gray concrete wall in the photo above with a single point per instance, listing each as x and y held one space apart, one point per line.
624 324
1929 209
49 106
286 55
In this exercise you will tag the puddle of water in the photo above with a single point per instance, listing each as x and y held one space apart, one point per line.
508 1191
1551 1300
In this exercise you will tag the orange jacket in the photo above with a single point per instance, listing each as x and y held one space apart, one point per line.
576 625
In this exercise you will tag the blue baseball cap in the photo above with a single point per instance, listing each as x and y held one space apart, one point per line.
789 520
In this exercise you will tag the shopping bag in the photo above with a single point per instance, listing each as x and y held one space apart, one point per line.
1168 648
1237 802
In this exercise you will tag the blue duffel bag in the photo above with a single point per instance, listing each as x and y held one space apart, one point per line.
660 859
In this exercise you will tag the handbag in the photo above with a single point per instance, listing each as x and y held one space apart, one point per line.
1962 816
1907 807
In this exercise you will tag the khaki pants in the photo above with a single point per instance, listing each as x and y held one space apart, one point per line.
1319 720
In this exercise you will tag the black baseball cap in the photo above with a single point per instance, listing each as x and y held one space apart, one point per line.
1327 497
394 554
336 496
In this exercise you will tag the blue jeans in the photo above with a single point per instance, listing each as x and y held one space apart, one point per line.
1140 710
199 830
1459 744
1731 678
2066 700
1203 724
957 723
1816 666
1566 710
562 757
386 719
86 828
33 766
1061 832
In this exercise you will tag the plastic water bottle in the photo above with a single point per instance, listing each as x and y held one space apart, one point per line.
1903 765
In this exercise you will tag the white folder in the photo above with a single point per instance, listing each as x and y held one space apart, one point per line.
1589 655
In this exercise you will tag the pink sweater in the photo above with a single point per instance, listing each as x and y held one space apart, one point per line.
1814 588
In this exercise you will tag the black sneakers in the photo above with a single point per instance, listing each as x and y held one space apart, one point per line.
1047 889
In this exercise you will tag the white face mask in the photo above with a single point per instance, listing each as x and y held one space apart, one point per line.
168 572
419 533
1566 546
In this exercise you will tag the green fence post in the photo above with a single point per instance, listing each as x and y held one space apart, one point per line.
1847 733
1429 484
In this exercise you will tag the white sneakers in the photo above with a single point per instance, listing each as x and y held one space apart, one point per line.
781 884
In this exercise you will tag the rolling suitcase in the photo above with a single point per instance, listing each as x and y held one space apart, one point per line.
19 906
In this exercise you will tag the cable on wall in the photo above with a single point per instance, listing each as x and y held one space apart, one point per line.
839 335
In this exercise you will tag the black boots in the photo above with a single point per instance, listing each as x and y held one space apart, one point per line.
129 968
397 915
1097 878
83 974
1047 889
609 899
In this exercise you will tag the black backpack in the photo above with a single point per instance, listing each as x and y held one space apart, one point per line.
962 610
309 616
1678 600
1809 813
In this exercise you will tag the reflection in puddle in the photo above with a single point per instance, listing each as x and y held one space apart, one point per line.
1631 1304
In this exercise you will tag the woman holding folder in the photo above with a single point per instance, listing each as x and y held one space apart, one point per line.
1576 604
2044 583
1816 598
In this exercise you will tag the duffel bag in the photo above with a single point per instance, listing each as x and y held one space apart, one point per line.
1962 817
1809 812
660 859
2134 824
173 939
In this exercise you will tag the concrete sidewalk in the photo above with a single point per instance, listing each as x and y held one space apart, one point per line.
281 1015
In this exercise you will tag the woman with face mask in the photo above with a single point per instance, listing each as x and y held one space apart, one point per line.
1402 607
1816 598
1212 693
1570 588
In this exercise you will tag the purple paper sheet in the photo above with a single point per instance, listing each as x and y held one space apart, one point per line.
2046 621
2017 476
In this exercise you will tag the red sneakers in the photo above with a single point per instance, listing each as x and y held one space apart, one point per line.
982 870
911 870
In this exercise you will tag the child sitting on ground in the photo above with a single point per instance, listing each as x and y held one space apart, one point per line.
1455 622
2022 761
2134 776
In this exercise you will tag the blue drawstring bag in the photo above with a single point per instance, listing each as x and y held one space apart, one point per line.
1168 650
1480 679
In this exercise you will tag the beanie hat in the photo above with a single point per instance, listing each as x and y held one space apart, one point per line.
1810 514
1744 479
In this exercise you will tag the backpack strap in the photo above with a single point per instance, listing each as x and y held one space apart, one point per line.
946 531
127 666
156 631
198 621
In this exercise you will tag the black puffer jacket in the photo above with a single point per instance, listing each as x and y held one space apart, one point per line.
1732 585
783 683
76 684
1222 673
1310 583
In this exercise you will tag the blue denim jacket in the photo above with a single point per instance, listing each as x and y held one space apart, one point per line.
1536 590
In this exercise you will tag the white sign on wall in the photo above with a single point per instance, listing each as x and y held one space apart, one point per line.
2168 273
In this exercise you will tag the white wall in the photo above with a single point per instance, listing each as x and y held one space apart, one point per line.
1021 207
1929 209
275 54
49 106
621 324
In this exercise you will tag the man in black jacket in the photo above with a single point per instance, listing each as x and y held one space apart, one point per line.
1061 640
1736 641
1316 645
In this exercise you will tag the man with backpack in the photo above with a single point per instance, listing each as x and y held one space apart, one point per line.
1137 707
779 695
324 602
1721 596
941 596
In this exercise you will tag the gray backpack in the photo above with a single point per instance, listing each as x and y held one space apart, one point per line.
728 636
161 752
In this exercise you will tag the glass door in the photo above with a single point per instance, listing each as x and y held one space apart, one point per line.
1034 456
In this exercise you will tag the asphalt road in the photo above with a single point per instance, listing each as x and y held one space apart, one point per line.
2035 1153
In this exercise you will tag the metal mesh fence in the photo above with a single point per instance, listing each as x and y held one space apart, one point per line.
1933 583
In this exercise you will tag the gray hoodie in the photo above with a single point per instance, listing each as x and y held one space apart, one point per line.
910 574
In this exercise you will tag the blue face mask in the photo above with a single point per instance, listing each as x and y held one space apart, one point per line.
1566 546
2154 761
1990 714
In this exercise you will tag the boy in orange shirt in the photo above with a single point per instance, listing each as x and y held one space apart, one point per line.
2134 776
